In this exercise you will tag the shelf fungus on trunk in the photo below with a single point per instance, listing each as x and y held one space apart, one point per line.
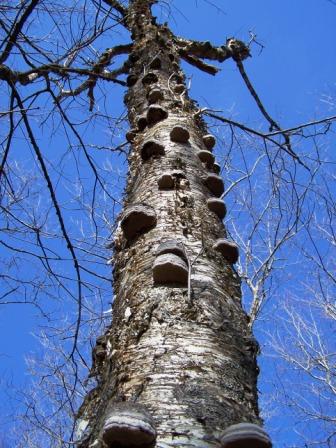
150 78
155 114
215 184
216 168
171 265
217 206
206 156
128 425
170 269
244 435
178 78
155 95
137 219
209 141
130 135
170 179
131 80
142 122
172 247
156 63
179 88
228 249
166 181
151 148
179 134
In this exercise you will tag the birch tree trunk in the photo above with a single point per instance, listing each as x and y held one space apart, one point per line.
179 352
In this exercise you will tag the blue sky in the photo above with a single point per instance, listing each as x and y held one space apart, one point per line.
293 75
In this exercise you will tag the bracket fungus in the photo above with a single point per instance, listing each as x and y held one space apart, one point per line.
131 80
141 122
170 269
168 180
137 219
99 352
206 157
155 114
128 425
216 168
217 206
151 148
179 134
179 88
244 435
178 78
154 96
209 141
172 247
134 56
130 135
156 63
228 249
215 184
150 78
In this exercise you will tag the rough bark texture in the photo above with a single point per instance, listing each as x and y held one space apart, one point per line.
183 353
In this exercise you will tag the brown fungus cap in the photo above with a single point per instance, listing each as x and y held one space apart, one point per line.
243 435
128 425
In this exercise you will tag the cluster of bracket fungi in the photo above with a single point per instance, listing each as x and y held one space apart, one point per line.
131 425
140 218
128 424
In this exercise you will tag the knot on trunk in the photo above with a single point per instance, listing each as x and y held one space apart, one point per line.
238 49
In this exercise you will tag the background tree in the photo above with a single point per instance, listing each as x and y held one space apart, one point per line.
65 69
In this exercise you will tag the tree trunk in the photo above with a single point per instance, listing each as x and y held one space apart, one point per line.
179 348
